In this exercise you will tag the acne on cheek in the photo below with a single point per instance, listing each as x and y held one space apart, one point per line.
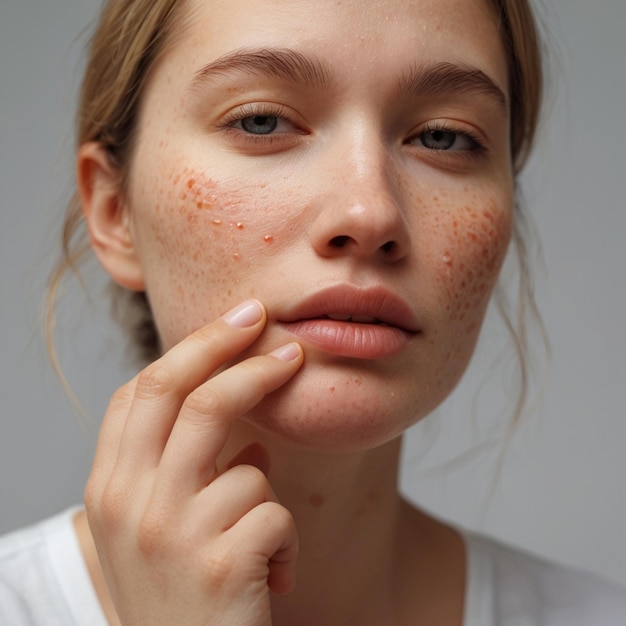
477 238
203 201
205 236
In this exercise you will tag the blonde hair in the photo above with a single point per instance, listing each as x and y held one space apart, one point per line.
130 36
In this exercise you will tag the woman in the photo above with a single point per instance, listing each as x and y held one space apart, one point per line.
309 204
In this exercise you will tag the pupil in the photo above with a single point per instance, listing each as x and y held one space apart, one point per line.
259 124
439 139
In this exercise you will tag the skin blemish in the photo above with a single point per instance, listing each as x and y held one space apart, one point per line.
268 239
217 222
236 256
239 225
317 500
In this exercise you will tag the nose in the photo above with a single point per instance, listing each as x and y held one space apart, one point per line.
361 211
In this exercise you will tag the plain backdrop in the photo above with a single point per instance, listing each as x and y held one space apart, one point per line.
558 489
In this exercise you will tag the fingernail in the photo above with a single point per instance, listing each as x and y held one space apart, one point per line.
246 314
287 353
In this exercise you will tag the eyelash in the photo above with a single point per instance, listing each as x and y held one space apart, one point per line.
258 110
478 147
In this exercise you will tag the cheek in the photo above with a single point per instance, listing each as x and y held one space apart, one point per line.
198 239
476 239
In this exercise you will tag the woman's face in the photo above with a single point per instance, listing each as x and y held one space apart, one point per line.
346 163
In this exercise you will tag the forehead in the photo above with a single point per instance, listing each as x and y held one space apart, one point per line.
365 38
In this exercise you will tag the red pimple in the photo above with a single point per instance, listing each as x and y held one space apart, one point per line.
268 239
317 500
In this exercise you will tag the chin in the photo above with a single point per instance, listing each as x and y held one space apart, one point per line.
342 411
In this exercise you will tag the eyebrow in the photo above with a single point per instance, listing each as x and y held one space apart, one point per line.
445 78
282 63
295 67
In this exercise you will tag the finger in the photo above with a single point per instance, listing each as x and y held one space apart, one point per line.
112 428
269 532
227 499
162 387
189 459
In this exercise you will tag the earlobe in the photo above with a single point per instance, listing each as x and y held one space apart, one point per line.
107 220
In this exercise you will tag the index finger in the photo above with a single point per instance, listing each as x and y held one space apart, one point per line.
189 459
161 388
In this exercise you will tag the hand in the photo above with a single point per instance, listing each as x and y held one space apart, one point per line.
178 541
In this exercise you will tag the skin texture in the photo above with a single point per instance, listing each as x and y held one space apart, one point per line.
344 193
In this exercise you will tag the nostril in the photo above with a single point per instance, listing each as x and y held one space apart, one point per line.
388 247
340 241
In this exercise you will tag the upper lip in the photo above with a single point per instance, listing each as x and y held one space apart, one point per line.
375 305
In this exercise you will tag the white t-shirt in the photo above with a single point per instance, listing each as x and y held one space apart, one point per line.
44 582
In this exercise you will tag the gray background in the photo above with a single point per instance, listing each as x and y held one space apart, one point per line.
559 490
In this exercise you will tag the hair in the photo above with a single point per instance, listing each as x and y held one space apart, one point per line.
130 37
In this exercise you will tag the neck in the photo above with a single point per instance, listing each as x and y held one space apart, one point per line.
348 513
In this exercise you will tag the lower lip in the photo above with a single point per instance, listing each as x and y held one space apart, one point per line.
350 339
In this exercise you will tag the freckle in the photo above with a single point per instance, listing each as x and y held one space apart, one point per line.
317 500
373 495
268 239
183 196
331 389
190 183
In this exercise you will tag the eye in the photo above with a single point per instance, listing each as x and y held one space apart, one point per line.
259 124
442 139
260 120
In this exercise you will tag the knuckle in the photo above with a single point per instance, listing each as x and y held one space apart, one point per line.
155 380
112 504
154 533
254 479
220 567
203 402
121 397
279 518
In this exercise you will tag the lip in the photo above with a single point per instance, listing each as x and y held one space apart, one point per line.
379 324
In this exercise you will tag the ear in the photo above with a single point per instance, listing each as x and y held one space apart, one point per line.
107 218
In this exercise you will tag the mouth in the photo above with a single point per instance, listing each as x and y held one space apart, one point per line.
352 322
357 319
